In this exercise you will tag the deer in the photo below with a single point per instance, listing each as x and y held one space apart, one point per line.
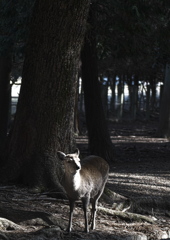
84 180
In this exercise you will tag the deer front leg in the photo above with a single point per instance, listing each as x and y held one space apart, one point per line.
70 215
85 202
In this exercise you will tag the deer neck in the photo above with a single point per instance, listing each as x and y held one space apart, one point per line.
72 182
76 180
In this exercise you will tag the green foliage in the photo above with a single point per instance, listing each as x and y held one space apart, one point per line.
14 19
133 33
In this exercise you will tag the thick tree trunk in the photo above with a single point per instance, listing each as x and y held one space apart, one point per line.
99 139
5 94
44 120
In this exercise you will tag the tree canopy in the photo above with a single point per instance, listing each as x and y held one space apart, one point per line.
133 36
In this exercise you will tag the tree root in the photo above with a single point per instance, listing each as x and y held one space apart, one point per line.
117 201
127 215
6 224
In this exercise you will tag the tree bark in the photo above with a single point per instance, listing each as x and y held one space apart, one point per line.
99 140
44 121
5 94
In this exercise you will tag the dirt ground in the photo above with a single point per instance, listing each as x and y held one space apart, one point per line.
141 173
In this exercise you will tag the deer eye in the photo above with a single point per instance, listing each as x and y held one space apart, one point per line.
70 160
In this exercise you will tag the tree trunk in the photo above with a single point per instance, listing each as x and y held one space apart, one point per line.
44 121
104 95
99 139
148 102
113 86
76 115
120 99
153 88
134 99
164 120
5 94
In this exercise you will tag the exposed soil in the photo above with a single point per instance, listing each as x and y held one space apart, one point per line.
141 173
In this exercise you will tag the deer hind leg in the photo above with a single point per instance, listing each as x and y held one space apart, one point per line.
94 208
93 213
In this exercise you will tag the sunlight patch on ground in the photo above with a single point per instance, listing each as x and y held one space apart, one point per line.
141 183
137 139
126 139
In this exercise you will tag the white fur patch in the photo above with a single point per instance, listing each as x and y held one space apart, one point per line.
76 181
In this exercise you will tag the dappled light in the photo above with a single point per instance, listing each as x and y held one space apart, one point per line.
141 168
92 76
139 185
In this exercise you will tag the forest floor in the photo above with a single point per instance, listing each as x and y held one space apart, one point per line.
141 173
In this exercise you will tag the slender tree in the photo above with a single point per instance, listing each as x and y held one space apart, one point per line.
44 119
5 94
164 120
99 139
6 46
14 18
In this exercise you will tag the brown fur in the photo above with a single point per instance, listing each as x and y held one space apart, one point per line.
85 181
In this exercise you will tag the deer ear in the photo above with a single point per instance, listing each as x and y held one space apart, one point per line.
61 155
77 151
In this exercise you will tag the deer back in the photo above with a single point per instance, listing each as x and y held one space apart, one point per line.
94 173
